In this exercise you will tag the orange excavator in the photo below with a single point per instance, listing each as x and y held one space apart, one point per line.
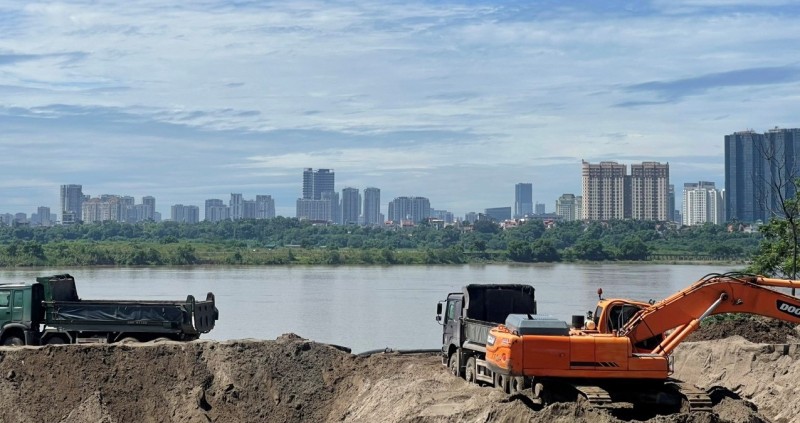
622 352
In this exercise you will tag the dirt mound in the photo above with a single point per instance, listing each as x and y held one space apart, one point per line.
287 380
765 374
757 329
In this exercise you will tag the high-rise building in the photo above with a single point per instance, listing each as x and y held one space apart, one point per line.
351 206
540 209
650 191
149 208
185 214
318 185
71 203
523 199
43 216
372 206
216 210
414 209
315 182
759 170
702 203
603 191
265 207
236 204
568 207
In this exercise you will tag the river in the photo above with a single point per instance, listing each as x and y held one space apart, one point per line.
366 307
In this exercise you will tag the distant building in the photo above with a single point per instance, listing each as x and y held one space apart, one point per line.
442 215
372 207
702 203
319 202
216 210
671 203
568 207
351 206
498 214
604 190
523 199
609 193
71 203
759 169
185 214
471 217
540 209
650 191
414 209
236 205
43 216
265 207
148 209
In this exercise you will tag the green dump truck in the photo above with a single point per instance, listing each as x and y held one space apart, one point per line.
49 311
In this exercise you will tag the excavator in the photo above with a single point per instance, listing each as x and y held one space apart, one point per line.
622 353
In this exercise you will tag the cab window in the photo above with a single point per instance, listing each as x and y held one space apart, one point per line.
5 298
451 310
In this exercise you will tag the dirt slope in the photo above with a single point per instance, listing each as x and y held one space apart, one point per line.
286 380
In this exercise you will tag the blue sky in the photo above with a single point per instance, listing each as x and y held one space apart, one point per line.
454 101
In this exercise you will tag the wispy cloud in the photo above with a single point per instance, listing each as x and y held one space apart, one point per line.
403 95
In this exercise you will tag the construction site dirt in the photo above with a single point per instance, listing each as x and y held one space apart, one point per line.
292 379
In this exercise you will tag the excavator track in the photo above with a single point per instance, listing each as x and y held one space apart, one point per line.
696 398
595 395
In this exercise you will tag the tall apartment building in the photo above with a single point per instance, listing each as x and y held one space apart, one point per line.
569 207
671 203
71 203
523 199
415 209
650 191
540 209
351 206
185 214
759 169
702 203
265 207
372 206
216 210
43 216
609 193
604 191
236 204
318 185
148 209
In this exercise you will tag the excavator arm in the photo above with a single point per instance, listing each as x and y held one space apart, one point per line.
715 294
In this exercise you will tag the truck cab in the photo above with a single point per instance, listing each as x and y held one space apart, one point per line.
19 315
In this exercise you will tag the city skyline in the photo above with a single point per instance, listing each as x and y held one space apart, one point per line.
186 102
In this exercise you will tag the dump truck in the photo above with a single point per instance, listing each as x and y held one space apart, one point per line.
49 311
466 318
623 354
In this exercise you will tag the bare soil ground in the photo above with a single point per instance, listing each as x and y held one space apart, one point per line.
295 380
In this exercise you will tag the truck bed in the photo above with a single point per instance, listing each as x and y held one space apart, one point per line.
190 317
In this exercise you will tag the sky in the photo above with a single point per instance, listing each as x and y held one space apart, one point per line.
454 101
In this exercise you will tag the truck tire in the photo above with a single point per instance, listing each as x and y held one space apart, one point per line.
13 341
55 340
469 371
502 382
453 365
518 384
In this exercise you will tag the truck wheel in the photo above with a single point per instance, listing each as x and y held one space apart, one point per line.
55 340
13 341
518 384
453 365
469 371
501 382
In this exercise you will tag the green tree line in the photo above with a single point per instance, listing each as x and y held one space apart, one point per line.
288 240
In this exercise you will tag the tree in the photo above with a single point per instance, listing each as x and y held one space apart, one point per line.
519 251
777 254
632 248
544 250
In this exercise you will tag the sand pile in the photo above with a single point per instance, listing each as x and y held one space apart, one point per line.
286 380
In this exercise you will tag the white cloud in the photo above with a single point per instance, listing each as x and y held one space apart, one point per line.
207 91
